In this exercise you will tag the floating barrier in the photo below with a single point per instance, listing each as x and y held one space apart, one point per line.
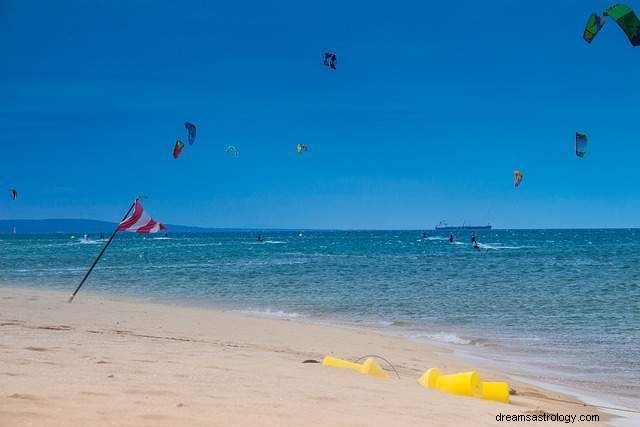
369 367
465 384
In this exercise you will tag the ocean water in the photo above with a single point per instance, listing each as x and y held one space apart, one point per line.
558 306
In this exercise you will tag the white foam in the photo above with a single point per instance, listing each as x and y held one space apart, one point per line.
88 242
265 242
447 338
498 246
272 313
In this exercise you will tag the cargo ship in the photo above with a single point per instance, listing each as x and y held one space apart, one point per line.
443 226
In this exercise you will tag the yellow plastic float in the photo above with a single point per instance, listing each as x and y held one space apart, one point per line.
369 367
465 384
498 391
462 384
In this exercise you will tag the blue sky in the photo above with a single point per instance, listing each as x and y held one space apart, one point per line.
431 109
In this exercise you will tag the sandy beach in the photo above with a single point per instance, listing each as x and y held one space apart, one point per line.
109 361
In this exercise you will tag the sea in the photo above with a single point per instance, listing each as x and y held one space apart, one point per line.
561 307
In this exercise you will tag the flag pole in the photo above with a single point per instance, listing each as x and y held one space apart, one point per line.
104 248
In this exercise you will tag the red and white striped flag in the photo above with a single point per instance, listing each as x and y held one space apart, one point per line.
140 222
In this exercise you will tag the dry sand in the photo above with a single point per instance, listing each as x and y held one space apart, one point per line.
105 361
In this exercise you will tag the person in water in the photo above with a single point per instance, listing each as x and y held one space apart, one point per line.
424 234
259 238
474 240
451 238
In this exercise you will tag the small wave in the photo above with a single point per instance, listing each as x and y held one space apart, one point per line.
279 314
88 242
436 238
497 246
162 238
448 338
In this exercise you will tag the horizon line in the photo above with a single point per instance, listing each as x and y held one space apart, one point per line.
271 228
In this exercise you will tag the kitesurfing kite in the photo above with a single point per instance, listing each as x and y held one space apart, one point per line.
517 178
329 59
581 144
191 132
624 16
302 148
177 149
232 151
14 194
594 24
626 20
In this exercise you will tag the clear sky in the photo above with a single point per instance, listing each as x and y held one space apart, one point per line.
432 107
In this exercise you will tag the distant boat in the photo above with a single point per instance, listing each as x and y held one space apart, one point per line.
443 226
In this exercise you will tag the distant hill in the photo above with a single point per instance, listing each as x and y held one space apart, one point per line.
77 226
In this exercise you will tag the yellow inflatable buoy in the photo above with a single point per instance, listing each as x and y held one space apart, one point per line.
369 367
498 391
465 384
462 384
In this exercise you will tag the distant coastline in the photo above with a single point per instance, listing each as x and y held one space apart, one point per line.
71 225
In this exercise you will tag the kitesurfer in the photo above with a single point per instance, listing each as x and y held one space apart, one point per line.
474 240
259 238
451 238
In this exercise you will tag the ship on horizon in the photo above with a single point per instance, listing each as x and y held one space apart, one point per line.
443 226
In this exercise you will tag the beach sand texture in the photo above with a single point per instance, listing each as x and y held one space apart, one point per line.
103 361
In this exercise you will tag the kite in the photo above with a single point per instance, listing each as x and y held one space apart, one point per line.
14 194
329 59
177 149
191 132
627 21
302 148
581 144
594 24
232 151
517 178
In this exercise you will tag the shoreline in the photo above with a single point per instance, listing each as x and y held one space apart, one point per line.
106 330
468 350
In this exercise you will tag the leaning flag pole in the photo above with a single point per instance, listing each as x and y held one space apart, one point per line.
104 248
138 222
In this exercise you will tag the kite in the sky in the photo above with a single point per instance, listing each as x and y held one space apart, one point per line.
302 148
624 17
191 132
594 24
232 150
329 59
177 149
581 144
627 21
517 178
14 194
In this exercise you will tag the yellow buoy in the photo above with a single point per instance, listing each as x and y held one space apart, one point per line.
463 384
428 379
498 391
369 367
